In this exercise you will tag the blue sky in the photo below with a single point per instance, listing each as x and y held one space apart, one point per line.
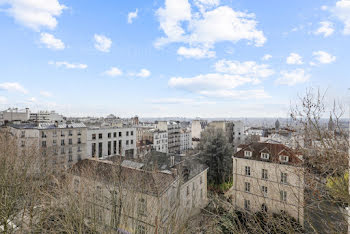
190 58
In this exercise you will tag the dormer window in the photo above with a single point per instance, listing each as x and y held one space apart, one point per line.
248 154
284 158
265 155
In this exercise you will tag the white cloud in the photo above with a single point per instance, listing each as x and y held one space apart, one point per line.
266 57
170 18
143 73
46 94
102 43
324 7
32 99
212 81
294 77
249 69
69 65
206 4
51 42
237 94
342 12
172 101
13 87
294 58
3 100
181 101
323 57
132 16
35 14
326 28
207 27
229 76
196 53
113 71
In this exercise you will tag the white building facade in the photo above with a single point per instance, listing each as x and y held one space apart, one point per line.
185 140
108 141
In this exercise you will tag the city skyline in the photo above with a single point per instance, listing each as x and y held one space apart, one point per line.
170 58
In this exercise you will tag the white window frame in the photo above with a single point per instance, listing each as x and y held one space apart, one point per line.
264 190
284 178
247 187
283 196
265 156
264 176
247 171
248 154
284 158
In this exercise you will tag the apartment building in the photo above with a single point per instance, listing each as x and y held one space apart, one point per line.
173 137
234 131
46 117
105 141
132 200
185 140
197 127
60 144
268 177
14 114
159 139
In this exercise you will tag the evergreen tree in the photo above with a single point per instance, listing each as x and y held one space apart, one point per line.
216 153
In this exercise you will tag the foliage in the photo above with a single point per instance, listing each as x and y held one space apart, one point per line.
339 187
216 153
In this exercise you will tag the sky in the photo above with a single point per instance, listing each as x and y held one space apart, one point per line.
167 58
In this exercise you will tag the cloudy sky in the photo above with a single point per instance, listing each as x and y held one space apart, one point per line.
190 58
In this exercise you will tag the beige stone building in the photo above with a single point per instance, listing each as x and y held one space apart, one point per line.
268 177
133 200
61 145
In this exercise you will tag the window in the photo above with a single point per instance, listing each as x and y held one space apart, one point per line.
93 149
55 151
79 149
70 150
264 191
62 133
131 142
284 158
93 136
70 141
43 144
23 134
114 147
264 175
100 150
265 155
132 133
247 171
127 133
79 140
141 229
100 136
188 190
114 134
23 143
109 147
79 133
62 150
247 204
283 196
127 142
247 187
62 142
54 142
109 135
70 158
142 207
70 133
120 134
284 178
248 153
43 135
79 157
